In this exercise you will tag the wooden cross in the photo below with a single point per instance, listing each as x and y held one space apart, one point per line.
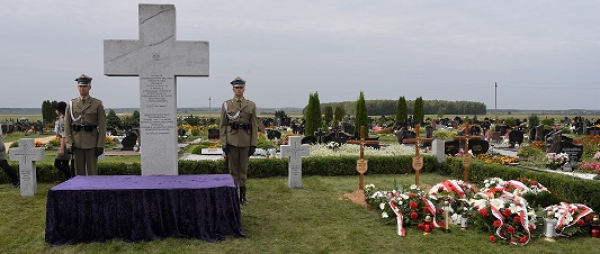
417 163
467 159
362 164
158 59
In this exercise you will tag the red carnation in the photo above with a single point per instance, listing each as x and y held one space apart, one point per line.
507 212
531 227
497 223
413 205
510 230
523 239
414 215
483 213
517 219
440 189
440 210
532 183
580 222
492 239
420 226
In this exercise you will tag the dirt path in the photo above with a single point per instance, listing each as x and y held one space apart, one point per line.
43 140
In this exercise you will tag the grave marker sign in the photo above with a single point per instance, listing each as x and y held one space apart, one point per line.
157 58
27 154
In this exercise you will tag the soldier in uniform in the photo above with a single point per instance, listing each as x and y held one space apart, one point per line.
85 128
61 162
14 178
239 134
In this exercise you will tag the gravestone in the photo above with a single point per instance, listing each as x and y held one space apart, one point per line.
309 140
273 134
214 133
592 130
129 142
438 148
553 142
574 151
451 147
295 150
319 135
515 137
111 131
478 146
212 151
27 154
428 132
158 59
540 133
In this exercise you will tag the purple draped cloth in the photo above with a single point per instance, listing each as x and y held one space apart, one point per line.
142 208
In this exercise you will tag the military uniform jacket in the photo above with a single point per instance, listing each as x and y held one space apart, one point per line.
233 113
89 113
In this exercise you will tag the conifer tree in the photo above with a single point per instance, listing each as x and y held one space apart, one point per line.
313 115
419 114
401 112
362 116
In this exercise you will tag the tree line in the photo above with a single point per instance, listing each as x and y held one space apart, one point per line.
430 107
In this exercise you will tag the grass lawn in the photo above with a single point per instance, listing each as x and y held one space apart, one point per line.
315 219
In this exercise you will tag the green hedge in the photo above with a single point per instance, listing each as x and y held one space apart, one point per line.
568 188
572 189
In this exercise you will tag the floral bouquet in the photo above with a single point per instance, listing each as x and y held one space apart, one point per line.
597 156
572 218
555 160
407 207
523 186
508 218
456 192
589 167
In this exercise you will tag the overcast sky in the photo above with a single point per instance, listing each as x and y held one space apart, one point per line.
543 54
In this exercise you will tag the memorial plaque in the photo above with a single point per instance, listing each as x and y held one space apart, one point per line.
362 165
467 160
417 163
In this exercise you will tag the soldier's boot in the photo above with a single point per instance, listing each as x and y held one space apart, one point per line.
243 199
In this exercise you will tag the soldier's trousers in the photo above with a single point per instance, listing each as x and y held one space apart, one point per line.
86 161
238 164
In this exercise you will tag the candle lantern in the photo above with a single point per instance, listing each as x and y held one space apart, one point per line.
549 227
595 228
427 225
464 220
447 216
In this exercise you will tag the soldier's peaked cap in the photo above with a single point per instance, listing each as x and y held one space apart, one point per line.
84 79
238 82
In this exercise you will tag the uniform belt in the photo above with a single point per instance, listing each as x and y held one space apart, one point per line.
237 126
88 128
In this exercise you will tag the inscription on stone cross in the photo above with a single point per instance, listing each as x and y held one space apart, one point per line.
295 150
27 154
157 58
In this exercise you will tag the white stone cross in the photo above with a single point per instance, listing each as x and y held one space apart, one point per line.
157 58
27 154
295 150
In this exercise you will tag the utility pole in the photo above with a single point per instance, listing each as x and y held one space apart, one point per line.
496 99
209 107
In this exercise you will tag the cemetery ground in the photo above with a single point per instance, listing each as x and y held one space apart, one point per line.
315 219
